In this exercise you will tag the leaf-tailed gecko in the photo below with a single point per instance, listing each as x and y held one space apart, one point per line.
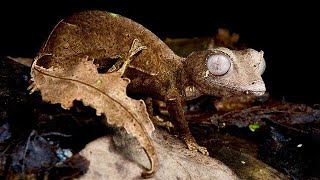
154 69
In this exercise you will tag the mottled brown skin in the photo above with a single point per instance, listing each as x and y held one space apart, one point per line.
155 71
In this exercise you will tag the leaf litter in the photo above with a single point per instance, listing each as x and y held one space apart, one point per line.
104 92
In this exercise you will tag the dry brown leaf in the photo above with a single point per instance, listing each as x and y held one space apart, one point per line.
104 92
226 39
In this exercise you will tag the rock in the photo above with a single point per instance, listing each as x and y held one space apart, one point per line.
123 158
248 167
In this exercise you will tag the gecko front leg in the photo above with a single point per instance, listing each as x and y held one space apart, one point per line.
174 104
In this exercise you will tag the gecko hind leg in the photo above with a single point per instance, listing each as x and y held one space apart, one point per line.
156 120
123 63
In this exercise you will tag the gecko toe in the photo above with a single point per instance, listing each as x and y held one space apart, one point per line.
193 146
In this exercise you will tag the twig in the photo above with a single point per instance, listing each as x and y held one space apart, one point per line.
55 134
33 132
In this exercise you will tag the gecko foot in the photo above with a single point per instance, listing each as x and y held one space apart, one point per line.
193 146
118 64
162 123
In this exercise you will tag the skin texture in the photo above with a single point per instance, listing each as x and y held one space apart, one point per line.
155 71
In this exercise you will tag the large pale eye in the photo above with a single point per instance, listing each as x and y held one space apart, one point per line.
218 64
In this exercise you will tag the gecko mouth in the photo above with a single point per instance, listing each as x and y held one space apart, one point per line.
256 89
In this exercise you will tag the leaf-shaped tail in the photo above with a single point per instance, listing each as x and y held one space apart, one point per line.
104 92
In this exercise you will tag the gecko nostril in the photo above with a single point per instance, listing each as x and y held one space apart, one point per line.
253 83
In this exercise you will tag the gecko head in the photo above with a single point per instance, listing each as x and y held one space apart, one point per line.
224 72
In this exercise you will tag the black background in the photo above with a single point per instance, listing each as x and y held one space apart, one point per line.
286 32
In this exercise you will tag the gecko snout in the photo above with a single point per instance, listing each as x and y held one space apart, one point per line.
256 88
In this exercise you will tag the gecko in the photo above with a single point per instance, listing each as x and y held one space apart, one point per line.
155 71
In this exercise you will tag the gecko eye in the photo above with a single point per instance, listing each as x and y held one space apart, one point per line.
218 64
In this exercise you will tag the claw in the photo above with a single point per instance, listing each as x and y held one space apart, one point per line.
32 88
